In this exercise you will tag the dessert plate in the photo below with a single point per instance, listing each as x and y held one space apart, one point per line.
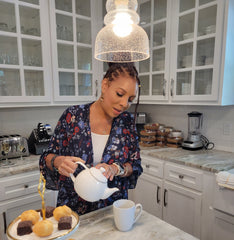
56 234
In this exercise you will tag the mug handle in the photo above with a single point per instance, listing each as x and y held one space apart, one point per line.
138 206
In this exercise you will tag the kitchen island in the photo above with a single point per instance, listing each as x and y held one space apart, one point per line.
99 225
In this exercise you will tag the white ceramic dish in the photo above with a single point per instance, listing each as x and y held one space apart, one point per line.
176 134
58 235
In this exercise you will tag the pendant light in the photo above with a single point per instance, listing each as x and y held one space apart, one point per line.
121 40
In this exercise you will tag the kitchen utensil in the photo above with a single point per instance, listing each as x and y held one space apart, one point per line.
126 213
91 185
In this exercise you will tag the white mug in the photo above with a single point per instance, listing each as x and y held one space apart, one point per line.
126 214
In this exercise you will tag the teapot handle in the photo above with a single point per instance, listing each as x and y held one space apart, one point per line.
83 165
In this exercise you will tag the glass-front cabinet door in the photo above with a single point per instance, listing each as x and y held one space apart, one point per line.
154 72
24 53
195 50
73 33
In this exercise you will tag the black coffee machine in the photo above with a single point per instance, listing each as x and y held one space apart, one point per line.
39 138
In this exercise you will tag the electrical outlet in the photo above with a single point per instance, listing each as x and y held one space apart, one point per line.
227 128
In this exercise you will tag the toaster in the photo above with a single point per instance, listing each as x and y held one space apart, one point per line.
12 146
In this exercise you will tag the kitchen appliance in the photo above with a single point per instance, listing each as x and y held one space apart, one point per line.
140 121
39 138
194 139
13 146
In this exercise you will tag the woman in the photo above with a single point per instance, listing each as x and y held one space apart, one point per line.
100 134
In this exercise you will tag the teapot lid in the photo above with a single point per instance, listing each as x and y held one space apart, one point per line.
97 174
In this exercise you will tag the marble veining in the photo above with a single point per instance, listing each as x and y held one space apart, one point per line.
209 160
19 165
99 225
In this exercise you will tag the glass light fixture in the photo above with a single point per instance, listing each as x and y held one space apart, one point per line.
121 40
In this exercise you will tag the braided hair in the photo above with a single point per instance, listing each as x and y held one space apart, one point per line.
116 69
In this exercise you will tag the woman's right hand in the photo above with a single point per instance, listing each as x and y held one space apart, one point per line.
66 164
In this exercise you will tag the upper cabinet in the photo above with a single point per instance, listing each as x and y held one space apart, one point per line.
190 52
74 27
24 52
46 51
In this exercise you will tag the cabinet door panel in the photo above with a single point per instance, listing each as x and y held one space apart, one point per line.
182 208
148 192
223 226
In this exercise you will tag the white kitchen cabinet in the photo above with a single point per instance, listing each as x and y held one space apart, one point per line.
190 43
174 193
149 189
182 208
25 66
19 193
223 226
223 213
74 26
46 52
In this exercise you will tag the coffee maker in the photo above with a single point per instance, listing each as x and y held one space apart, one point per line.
194 139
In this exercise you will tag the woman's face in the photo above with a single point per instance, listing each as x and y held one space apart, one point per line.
118 94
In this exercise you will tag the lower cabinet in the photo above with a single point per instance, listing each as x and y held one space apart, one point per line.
223 226
149 193
18 195
174 195
182 208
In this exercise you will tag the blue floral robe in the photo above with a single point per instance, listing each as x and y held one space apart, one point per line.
72 137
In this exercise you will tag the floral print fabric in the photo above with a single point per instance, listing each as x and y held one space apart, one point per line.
72 137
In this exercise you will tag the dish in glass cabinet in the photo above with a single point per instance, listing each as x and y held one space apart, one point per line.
57 234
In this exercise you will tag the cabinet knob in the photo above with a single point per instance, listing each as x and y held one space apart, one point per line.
181 176
26 186
147 165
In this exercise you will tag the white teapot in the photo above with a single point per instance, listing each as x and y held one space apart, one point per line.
91 185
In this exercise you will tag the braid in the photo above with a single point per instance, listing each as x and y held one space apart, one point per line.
116 69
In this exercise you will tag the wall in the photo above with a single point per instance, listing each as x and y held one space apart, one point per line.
218 122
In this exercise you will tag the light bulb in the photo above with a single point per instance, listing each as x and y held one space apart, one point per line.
122 24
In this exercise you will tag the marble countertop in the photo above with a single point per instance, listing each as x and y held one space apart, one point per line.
19 165
99 225
209 160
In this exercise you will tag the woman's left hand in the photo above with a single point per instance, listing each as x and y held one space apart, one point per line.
110 170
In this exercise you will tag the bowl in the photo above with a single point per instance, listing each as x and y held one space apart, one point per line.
176 133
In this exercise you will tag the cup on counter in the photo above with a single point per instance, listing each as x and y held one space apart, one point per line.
126 213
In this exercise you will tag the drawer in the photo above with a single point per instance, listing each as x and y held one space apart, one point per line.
184 176
223 199
19 185
152 166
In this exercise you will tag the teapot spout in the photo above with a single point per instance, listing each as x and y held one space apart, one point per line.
108 192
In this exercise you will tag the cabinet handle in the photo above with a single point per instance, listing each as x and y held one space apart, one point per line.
172 85
164 198
96 85
164 87
147 165
181 176
4 221
158 200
